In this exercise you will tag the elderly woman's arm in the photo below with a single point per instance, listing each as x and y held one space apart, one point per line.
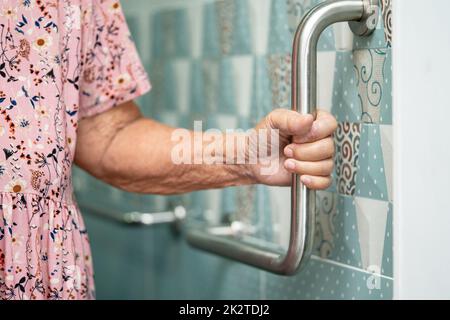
134 153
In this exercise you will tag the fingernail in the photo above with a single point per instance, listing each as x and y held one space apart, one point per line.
305 179
289 152
290 164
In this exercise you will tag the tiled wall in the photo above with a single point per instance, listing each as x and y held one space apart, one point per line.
228 63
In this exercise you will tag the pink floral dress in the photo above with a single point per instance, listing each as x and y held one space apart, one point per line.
60 61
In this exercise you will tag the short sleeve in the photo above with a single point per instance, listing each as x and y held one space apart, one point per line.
111 70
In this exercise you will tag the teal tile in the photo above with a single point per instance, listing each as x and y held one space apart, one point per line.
321 280
226 92
229 201
261 91
182 34
170 87
263 213
157 36
134 27
197 94
386 99
279 35
346 106
241 35
346 247
388 256
371 177
326 40
211 45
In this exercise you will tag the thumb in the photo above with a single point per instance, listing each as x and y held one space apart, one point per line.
290 123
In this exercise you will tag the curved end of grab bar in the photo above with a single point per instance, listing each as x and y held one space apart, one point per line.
304 92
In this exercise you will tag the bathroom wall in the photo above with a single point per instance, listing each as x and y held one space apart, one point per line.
228 63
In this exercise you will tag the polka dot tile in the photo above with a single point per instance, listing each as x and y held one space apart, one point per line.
345 238
346 106
387 264
371 178
323 280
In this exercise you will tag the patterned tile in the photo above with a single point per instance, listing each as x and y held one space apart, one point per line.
347 140
374 89
386 7
326 211
280 76
337 236
225 14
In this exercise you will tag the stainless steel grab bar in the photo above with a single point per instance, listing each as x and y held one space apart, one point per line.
363 13
134 218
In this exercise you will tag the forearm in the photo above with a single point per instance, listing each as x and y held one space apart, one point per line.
138 157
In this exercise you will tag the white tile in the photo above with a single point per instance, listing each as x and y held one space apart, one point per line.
260 17
371 218
242 75
225 121
325 79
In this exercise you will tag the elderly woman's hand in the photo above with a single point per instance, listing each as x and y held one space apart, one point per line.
306 148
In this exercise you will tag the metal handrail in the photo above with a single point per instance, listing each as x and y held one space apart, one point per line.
134 218
304 92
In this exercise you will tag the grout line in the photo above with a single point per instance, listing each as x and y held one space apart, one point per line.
343 265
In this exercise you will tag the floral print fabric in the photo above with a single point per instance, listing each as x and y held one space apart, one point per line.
60 61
